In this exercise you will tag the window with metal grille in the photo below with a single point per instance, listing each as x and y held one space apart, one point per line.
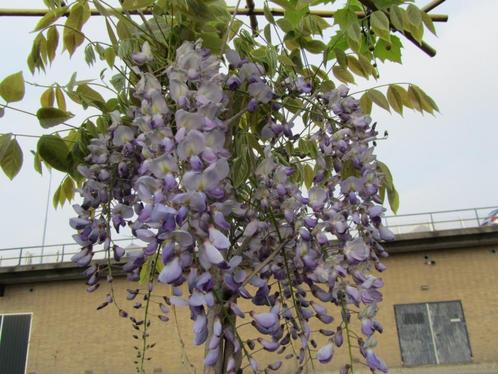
14 340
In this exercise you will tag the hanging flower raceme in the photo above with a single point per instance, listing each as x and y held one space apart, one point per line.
164 168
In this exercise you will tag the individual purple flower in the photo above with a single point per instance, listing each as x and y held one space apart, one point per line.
144 56
356 251
171 272
324 355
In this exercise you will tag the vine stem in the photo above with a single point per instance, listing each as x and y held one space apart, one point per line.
379 86
229 27
348 338
287 270
182 343
146 311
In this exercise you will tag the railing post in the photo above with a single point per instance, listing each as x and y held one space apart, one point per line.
20 256
432 222
62 256
477 217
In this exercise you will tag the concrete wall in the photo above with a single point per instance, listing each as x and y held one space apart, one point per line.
69 336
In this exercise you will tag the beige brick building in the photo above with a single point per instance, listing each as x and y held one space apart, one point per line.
68 335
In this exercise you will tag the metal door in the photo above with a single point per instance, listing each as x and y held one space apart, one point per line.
450 332
432 333
417 347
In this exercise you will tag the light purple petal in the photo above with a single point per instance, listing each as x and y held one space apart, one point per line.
325 353
213 255
356 250
171 271
197 299
267 320
211 357
218 239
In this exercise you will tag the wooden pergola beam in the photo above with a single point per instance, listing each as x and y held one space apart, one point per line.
24 12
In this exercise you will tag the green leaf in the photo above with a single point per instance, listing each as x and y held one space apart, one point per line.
348 169
416 26
212 41
52 42
395 98
89 55
12 87
378 98
37 163
50 17
54 151
90 96
68 188
57 196
428 22
388 177
109 56
314 46
382 194
50 117
267 33
268 14
366 103
4 144
145 272
72 36
396 14
12 159
427 103
389 51
110 32
240 170
347 19
415 99
341 57
285 60
393 198
343 74
380 24
61 101
309 174
47 98
356 67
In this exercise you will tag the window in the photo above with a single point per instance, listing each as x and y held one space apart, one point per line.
14 339
432 333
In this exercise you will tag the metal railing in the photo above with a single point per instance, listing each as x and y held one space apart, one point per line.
437 220
49 254
399 224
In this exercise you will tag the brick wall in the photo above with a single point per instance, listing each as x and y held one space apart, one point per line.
69 336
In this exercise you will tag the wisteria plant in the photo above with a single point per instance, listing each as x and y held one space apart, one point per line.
247 169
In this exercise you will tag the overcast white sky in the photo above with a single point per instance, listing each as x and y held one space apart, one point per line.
442 162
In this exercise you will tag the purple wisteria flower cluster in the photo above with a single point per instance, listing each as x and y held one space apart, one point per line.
164 170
